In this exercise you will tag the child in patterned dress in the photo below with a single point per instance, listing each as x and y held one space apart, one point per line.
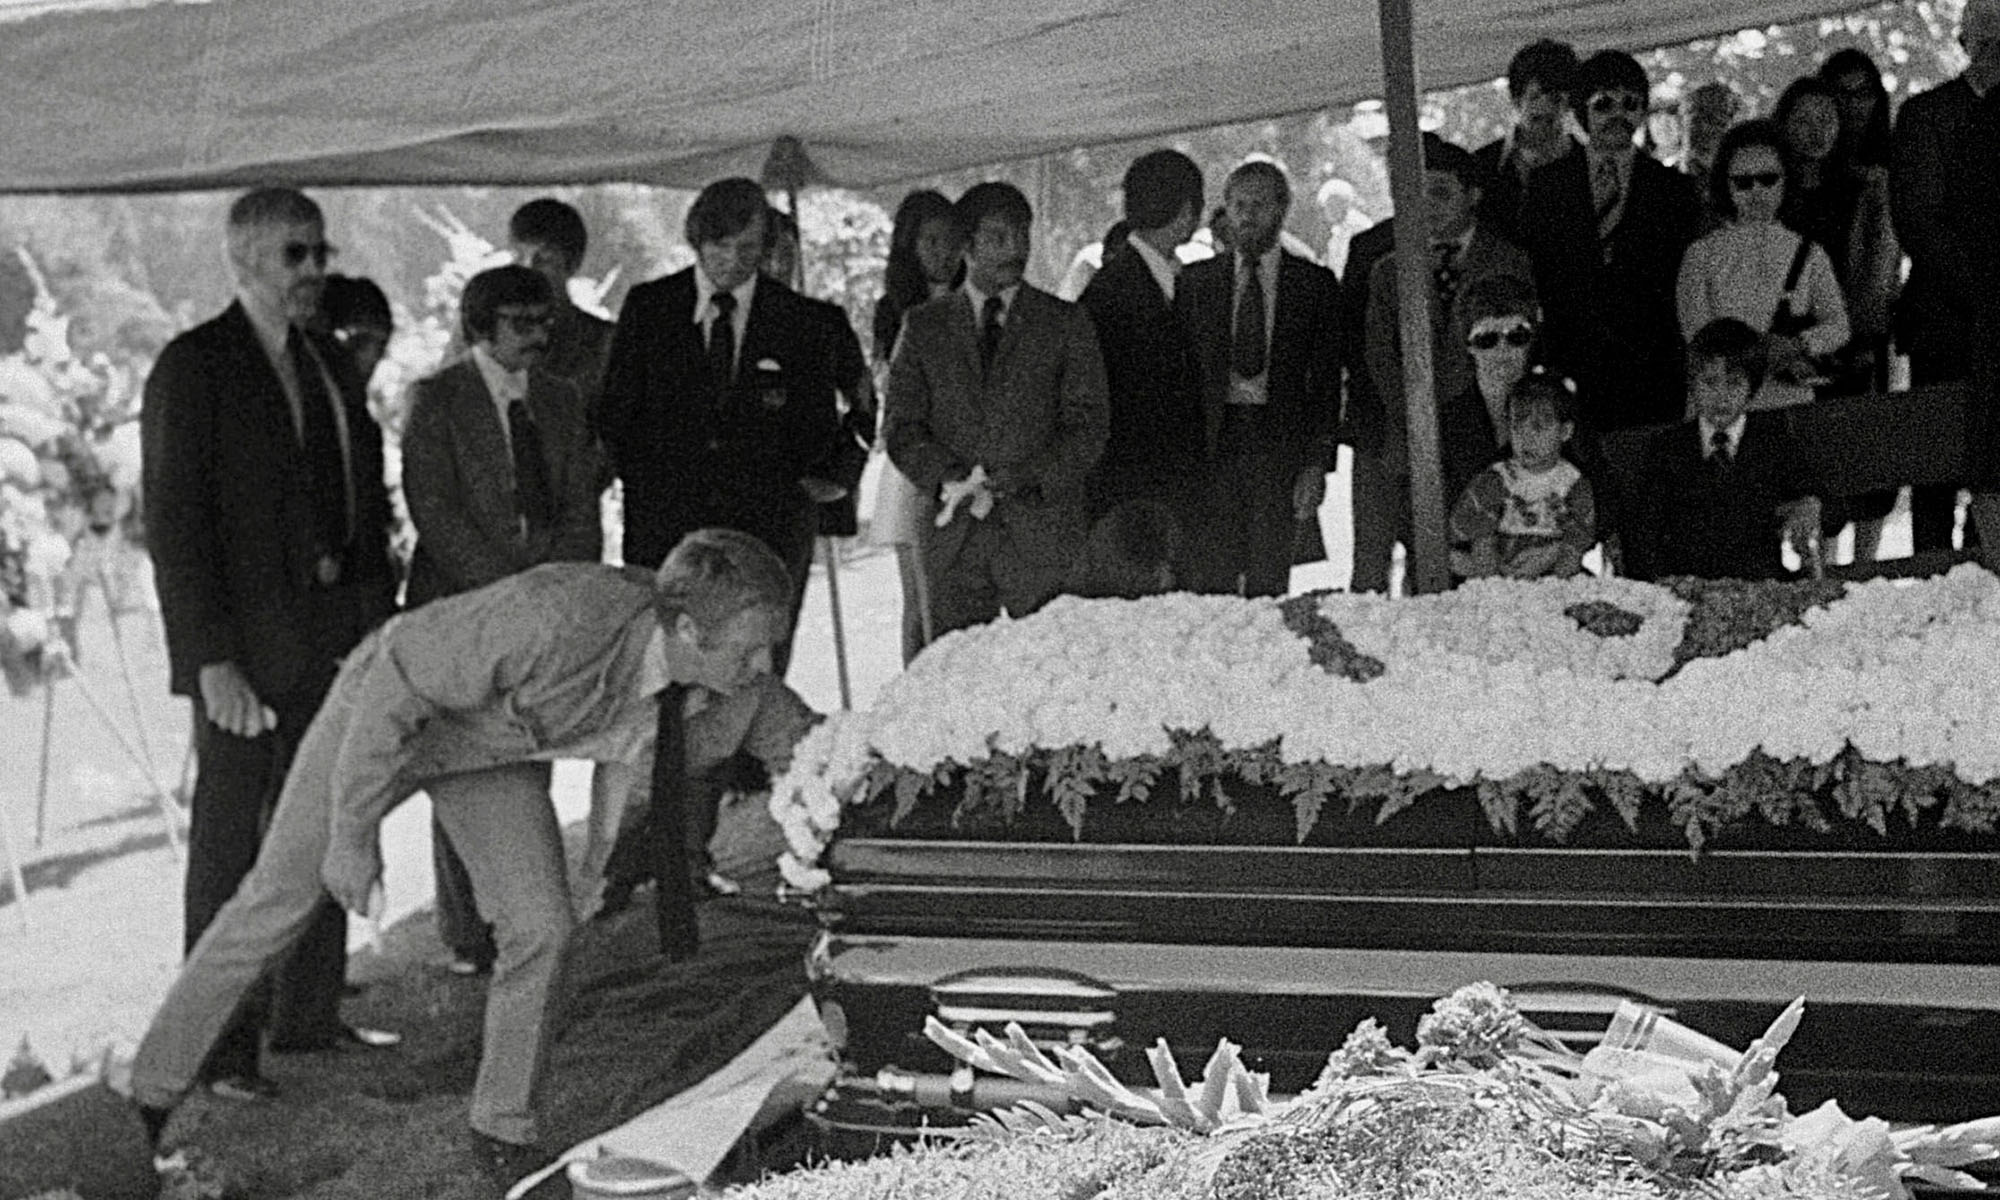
1533 514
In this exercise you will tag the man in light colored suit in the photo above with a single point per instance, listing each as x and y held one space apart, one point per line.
997 410
501 472
463 698
1463 250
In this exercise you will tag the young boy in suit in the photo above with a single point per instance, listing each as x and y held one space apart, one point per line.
1727 489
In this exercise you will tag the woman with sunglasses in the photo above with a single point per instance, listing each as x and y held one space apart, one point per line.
1761 273
1502 321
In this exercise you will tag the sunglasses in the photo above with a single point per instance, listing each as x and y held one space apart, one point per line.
1610 102
296 253
1513 335
1756 179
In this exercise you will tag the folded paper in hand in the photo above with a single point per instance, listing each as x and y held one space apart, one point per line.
974 491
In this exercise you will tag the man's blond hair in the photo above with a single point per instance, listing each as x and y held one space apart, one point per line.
715 574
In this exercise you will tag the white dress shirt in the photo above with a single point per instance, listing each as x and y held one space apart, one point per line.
272 333
1734 430
1166 270
1252 391
502 386
704 308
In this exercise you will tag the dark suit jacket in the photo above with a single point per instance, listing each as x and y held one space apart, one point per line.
694 452
229 518
1303 377
1611 324
1154 381
458 478
1485 257
1037 418
1361 417
1940 199
1702 520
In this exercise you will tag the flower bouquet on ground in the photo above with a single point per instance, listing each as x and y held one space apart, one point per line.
1655 1106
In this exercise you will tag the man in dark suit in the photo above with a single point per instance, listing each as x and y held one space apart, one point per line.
1463 252
501 472
1153 450
1723 491
997 410
1540 77
1606 230
719 405
1941 200
548 237
1266 329
268 523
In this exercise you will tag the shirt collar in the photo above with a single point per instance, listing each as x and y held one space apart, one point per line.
1267 262
1165 268
978 299
1734 429
505 386
704 292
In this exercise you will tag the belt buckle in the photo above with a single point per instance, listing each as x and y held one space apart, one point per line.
327 570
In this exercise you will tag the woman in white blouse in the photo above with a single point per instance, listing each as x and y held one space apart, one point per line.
1761 273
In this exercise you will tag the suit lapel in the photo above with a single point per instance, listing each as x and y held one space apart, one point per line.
964 330
1025 310
483 442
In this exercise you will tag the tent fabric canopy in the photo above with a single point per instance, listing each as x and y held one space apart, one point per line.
138 95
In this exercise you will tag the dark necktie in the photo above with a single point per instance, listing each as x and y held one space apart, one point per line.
667 831
533 500
722 340
1246 346
1606 192
319 437
990 329
1721 453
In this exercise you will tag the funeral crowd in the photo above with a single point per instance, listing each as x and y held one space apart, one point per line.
1615 343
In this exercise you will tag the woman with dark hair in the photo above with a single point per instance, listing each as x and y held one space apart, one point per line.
1841 202
1864 106
1761 273
925 261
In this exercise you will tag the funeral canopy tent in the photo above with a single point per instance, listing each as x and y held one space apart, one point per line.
133 95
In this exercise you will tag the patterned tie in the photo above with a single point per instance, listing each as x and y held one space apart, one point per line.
1444 270
990 329
1246 346
722 340
1606 194
319 437
534 500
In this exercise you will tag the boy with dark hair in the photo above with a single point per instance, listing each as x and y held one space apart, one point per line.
1724 491
1540 78
1532 515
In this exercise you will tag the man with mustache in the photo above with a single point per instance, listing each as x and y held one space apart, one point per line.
1266 329
501 473
997 409
267 522
1606 230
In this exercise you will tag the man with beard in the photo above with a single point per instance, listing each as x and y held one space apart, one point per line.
1539 79
1266 330
268 526
1606 230
501 473
997 411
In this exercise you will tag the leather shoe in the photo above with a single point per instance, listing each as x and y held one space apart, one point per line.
243 1089
340 1037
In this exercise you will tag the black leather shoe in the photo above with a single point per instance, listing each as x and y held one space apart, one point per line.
340 1037
507 1163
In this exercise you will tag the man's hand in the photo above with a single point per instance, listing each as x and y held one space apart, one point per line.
1308 493
350 872
231 704
1802 519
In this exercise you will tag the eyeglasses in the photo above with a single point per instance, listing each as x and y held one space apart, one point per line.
1756 179
1513 335
296 253
1610 102
528 322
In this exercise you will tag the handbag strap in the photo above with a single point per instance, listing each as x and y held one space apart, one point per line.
1798 267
